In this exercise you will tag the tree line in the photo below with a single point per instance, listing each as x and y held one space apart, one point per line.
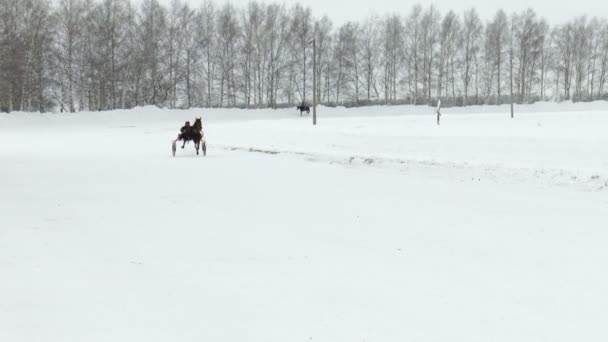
107 54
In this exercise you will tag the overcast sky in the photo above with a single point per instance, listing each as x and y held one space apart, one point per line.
341 11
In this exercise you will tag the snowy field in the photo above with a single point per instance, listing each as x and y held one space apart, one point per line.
375 225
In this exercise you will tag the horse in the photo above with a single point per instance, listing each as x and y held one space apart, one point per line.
303 108
192 133
198 124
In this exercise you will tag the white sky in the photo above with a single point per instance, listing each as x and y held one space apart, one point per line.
341 11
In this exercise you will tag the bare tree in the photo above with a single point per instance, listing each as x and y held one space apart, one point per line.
497 37
448 45
323 38
302 34
529 38
603 58
392 55
70 15
429 33
412 47
191 45
370 56
471 34
71 55
228 36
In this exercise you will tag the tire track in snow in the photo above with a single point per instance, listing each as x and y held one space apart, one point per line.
463 171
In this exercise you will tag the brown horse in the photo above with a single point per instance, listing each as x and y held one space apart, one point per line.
192 133
303 108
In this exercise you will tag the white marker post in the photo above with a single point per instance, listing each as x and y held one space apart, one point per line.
438 111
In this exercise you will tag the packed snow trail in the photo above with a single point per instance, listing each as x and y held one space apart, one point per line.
104 236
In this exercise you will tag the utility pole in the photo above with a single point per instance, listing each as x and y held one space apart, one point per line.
314 81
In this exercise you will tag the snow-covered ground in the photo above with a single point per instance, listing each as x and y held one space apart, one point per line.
375 225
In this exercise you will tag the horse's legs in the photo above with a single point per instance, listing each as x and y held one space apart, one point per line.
184 144
197 144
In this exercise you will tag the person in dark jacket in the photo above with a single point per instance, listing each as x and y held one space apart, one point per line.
186 127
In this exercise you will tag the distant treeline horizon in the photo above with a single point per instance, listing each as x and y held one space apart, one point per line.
93 55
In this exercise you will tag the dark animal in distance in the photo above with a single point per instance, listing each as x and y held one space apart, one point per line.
303 108
192 133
